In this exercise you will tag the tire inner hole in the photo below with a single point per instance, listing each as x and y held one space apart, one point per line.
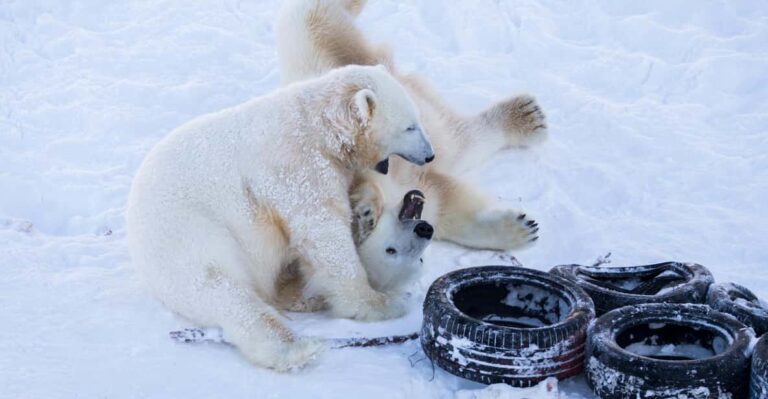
512 304
647 282
672 341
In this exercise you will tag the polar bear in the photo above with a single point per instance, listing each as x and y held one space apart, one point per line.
316 36
220 205
390 244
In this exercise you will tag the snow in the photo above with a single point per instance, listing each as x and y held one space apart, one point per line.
533 301
689 351
546 389
657 114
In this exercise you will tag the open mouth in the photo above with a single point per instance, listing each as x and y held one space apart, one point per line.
413 204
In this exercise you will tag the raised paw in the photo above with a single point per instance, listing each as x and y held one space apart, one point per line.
525 228
506 229
523 120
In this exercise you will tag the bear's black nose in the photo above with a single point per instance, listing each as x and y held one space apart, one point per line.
430 159
424 230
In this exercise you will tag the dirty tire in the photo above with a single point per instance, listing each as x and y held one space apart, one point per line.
740 302
758 386
504 324
668 282
719 370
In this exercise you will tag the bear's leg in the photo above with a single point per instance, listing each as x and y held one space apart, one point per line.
515 122
248 322
204 280
519 120
466 218
256 330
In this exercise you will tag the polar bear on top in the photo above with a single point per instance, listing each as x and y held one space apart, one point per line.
225 201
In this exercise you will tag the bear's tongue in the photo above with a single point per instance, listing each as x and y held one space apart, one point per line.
413 203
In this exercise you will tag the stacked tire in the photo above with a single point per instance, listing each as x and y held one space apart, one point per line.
614 287
664 330
741 303
758 387
499 324
668 351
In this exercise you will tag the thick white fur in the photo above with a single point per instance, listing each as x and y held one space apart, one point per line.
316 36
222 204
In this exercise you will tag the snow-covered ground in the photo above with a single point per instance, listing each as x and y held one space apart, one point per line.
658 115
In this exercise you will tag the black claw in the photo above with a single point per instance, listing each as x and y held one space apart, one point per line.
521 217
539 127
534 231
528 103
533 239
530 223
534 110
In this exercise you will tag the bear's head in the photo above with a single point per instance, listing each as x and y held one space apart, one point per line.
390 242
372 117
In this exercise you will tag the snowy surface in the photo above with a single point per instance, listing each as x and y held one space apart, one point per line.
658 115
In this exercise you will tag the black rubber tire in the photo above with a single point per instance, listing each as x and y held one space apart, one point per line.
494 353
721 298
607 297
616 373
758 386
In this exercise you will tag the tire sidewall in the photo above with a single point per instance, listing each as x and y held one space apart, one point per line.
635 374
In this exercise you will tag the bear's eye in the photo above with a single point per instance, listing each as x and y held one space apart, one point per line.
411 128
391 251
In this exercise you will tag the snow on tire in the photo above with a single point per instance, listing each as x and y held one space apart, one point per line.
614 287
758 386
740 302
503 324
668 351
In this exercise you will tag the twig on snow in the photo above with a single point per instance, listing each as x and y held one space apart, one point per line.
338 343
601 260
215 335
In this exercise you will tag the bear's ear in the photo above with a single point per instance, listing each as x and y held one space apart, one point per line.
364 102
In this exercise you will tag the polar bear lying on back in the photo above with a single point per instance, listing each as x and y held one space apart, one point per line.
315 36
219 206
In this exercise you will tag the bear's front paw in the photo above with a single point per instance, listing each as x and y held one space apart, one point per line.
524 121
383 307
295 355
282 355
376 306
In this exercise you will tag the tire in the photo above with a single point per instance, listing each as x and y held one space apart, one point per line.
741 303
503 324
630 353
758 386
669 282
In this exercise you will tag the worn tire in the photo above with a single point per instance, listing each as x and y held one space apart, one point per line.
723 297
602 283
535 325
758 385
635 352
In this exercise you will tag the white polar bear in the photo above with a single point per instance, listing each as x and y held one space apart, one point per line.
221 204
316 36
390 244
